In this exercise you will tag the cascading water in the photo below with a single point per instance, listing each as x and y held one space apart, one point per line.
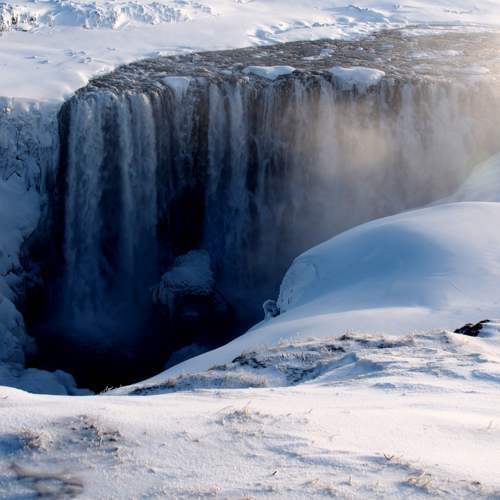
179 154
110 214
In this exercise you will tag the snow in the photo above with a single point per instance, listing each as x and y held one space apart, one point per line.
483 184
55 46
269 72
18 217
358 388
412 419
357 76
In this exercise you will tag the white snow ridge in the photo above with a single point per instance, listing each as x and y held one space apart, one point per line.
249 249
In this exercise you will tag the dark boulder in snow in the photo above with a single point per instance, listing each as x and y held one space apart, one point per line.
471 329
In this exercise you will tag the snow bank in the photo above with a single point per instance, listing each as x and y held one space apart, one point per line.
357 76
269 72
433 268
430 258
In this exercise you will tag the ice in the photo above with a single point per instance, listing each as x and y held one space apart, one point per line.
179 84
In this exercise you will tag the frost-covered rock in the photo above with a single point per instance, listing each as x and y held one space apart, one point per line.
190 274
485 328
23 149
188 301
28 148
14 342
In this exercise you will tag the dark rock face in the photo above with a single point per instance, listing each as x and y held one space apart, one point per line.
471 329
172 155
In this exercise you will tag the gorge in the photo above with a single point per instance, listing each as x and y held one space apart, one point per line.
233 163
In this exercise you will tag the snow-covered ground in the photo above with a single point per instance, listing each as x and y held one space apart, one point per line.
366 417
50 48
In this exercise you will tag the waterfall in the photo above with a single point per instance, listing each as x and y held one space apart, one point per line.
251 170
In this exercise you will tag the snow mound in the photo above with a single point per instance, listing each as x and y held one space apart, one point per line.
57 383
357 76
269 72
382 362
439 258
